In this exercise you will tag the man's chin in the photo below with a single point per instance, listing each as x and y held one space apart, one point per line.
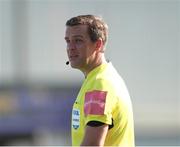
75 66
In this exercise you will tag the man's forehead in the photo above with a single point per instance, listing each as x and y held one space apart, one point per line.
78 30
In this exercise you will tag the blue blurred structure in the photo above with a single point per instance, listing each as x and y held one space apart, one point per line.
48 108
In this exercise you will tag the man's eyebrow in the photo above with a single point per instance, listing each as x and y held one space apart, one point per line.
66 38
78 36
75 36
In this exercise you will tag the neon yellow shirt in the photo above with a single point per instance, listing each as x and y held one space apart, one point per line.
104 97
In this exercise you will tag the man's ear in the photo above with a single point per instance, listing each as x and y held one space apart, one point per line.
99 44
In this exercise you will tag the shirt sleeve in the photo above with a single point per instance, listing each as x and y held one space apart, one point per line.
99 103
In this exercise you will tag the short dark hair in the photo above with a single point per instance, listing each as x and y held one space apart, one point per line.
97 28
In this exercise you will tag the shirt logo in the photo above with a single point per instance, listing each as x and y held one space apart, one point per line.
95 102
75 118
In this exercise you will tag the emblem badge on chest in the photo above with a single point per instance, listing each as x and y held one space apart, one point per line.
75 118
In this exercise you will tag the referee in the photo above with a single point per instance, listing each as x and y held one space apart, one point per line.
102 112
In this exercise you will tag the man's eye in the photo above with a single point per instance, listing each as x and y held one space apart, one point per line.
67 41
78 40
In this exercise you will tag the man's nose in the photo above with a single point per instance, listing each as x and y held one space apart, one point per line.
71 46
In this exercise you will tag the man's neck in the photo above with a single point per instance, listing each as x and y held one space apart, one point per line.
95 64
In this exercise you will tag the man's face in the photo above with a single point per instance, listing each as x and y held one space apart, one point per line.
80 48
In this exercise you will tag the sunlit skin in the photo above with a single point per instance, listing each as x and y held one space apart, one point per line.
83 54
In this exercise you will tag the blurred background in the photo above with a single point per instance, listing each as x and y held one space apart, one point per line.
37 88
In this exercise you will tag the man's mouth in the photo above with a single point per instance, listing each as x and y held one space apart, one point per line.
72 57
